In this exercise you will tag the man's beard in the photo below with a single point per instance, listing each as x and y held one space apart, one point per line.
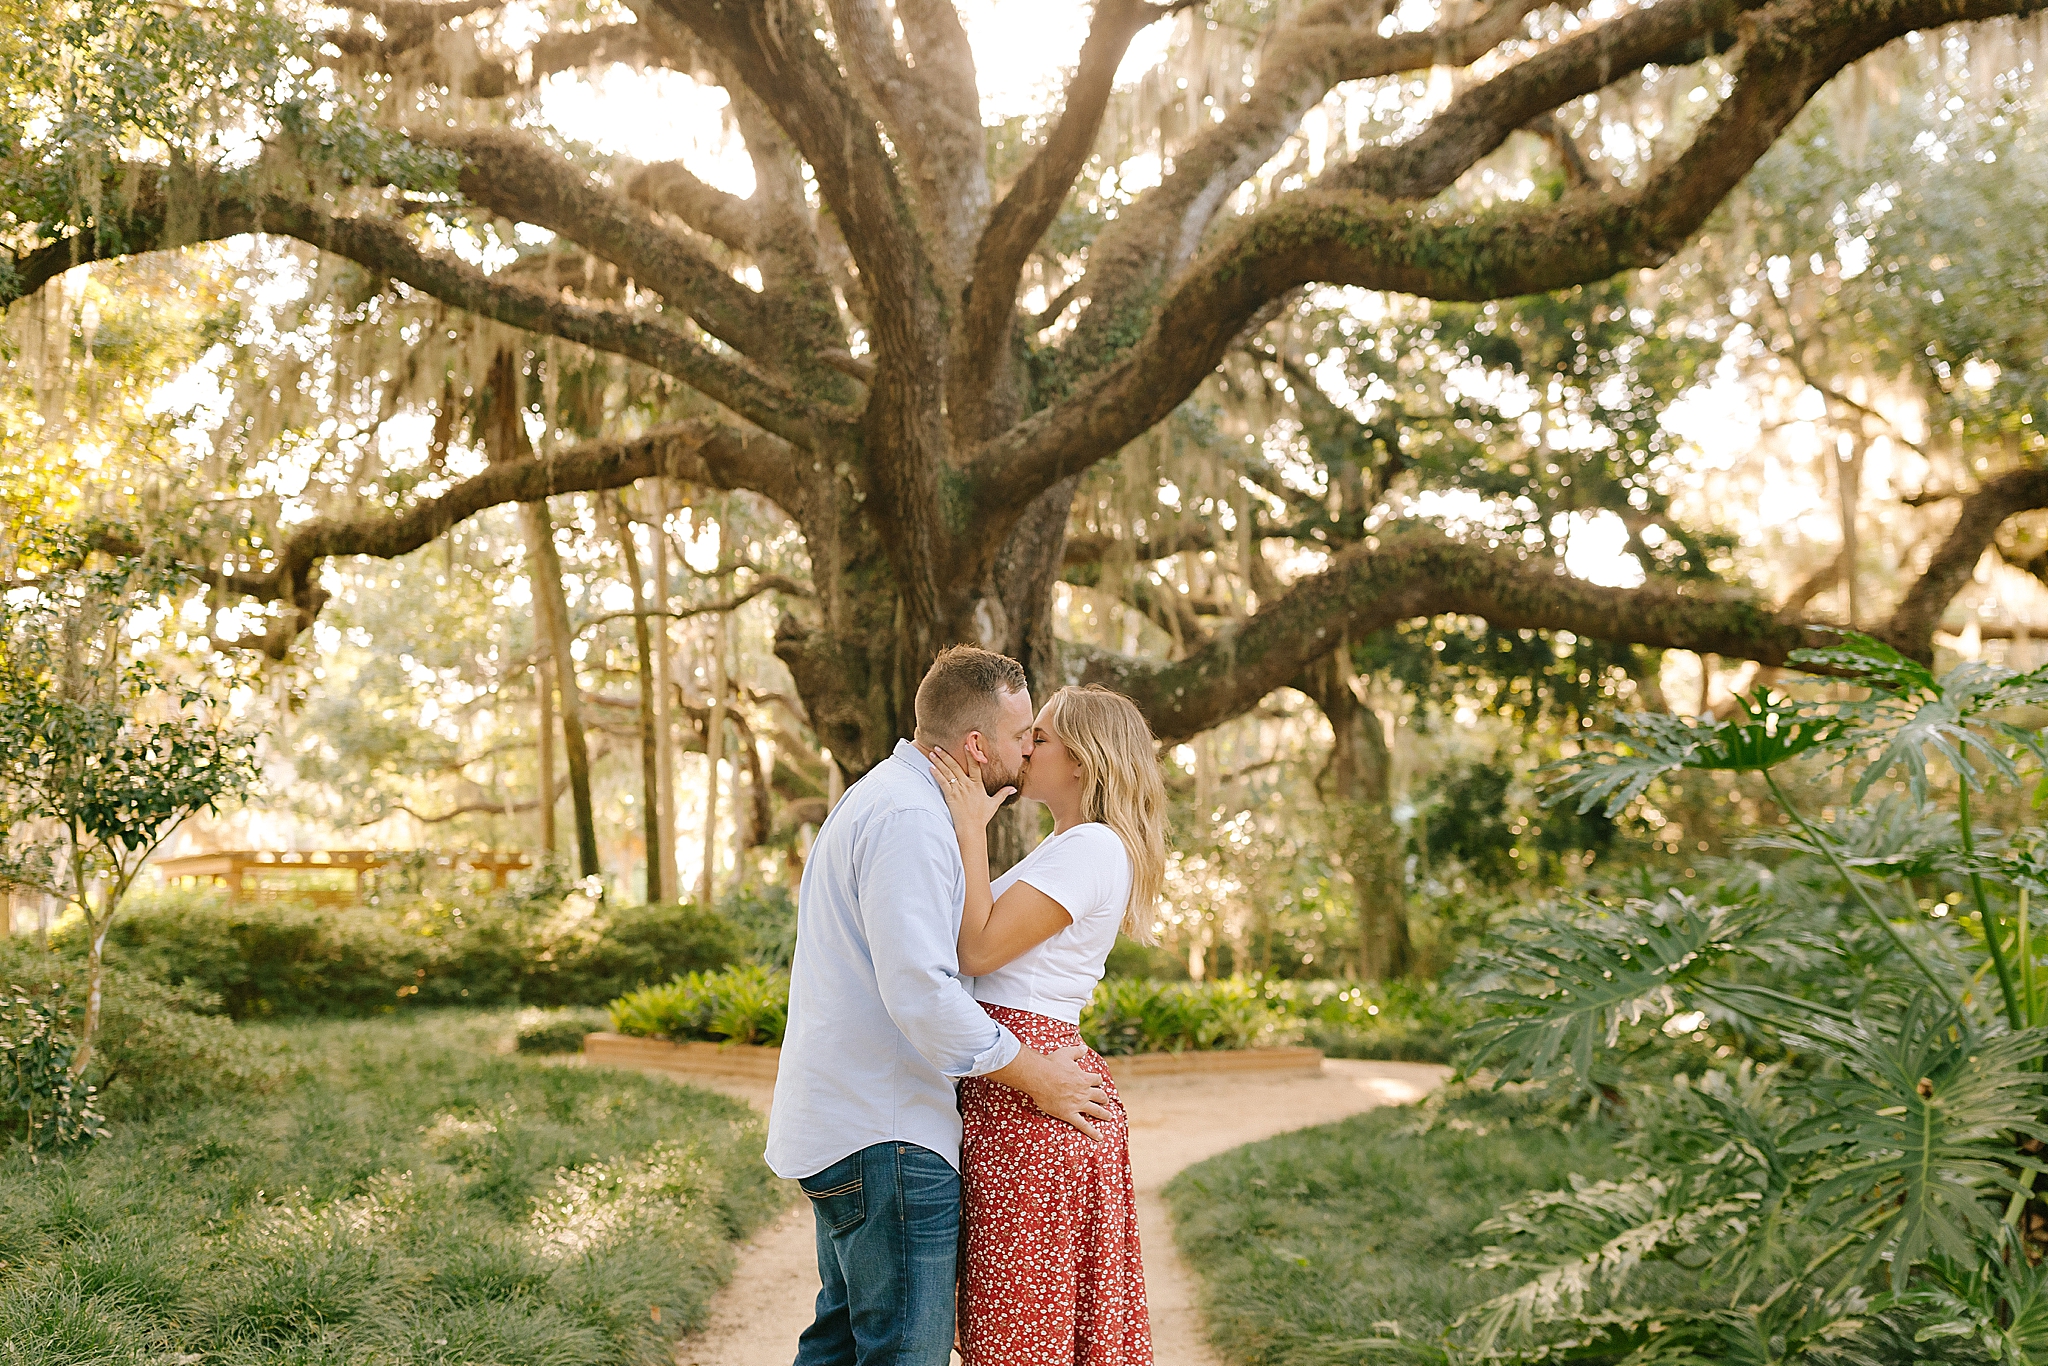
993 782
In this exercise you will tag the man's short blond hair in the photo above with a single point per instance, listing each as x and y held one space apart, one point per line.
962 691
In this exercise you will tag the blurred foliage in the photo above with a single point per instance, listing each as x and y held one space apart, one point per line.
558 1030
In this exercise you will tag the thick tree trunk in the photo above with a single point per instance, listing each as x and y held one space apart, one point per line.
650 759
1360 780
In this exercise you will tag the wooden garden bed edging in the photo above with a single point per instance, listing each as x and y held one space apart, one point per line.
752 1063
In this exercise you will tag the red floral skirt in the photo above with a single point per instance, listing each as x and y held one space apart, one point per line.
1050 1271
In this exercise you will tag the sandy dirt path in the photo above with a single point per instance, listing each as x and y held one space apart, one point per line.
1175 1122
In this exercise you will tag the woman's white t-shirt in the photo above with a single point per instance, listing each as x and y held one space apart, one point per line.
1088 871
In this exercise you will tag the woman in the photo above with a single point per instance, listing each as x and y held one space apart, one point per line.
1050 1272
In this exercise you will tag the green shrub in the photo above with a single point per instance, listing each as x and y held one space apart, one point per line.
741 1005
1140 1016
1406 1021
766 916
161 1048
558 1030
284 960
622 949
269 958
1129 958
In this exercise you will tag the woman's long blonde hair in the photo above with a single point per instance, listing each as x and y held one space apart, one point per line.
1120 786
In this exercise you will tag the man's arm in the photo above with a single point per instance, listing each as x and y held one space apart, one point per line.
909 897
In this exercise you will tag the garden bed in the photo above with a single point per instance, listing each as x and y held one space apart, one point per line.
752 1062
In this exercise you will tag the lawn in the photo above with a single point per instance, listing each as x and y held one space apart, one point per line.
407 1193
1339 1245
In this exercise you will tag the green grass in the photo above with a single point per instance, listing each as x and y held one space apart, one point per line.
409 1194
1340 1244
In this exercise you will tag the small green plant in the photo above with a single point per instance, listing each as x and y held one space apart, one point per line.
39 1096
103 755
557 1031
742 1005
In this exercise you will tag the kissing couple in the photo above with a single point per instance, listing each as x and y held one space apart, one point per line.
959 1144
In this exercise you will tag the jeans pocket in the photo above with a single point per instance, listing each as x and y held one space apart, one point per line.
836 1194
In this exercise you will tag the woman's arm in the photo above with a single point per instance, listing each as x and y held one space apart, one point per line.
992 932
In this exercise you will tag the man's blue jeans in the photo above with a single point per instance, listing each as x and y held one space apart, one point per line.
888 1255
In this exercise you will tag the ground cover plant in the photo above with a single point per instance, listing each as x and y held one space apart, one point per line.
1347 1243
1824 1063
161 1048
407 1194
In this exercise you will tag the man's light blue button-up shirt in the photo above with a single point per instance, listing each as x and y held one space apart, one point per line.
879 1021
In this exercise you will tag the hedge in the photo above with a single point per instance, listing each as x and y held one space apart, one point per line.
275 960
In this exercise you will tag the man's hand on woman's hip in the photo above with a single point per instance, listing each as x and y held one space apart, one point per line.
1059 1086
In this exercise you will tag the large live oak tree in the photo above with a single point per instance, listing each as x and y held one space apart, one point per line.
856 325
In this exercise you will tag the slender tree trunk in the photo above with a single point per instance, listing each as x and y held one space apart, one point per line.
664 675
95 964
714 745
1849 485
543 689
1368 840
650 759
504 433
547 592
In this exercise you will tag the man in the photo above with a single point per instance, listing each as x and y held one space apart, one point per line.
880 1024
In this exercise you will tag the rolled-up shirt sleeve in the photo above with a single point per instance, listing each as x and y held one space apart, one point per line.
910 905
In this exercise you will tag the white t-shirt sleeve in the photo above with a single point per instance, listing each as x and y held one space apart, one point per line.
1088 873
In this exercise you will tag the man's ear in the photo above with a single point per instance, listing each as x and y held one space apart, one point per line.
971 744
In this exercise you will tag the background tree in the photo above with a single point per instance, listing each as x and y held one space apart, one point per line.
661 328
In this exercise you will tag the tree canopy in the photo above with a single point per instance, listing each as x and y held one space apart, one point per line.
902 338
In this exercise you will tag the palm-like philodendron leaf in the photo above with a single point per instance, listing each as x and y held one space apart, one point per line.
1578 980
1609 1230
1898 838
1872 663
1921 1118
1998 1299
1763 735
1911 712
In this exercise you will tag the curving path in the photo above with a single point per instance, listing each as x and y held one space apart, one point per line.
1175 1122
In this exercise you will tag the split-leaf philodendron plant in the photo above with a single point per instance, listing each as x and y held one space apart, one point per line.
1851 1176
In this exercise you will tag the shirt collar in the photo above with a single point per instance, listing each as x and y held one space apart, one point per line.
915 757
